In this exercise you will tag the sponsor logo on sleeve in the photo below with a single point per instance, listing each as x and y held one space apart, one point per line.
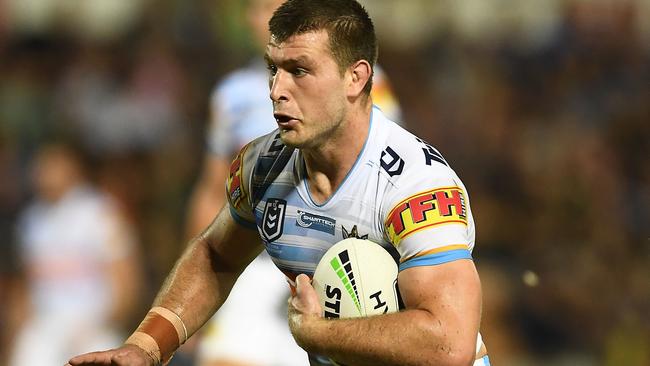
426 210
315 222
234 183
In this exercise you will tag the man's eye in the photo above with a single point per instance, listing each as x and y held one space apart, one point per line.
272 69
299 72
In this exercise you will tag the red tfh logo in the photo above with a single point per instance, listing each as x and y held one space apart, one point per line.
420 205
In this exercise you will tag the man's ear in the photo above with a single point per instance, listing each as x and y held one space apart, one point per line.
360 74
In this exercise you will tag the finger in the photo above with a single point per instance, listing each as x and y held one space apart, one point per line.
303 278
302 281
99 358
297 299
306 300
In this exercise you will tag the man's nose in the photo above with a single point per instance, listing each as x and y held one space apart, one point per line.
278 87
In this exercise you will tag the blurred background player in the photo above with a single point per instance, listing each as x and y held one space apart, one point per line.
78 260
250 330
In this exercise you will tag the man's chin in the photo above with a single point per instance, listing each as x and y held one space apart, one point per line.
290 138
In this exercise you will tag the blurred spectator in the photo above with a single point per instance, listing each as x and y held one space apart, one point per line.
79 262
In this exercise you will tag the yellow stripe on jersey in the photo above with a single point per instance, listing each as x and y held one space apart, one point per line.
436 251
424 210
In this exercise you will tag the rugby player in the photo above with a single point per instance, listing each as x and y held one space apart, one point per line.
337 160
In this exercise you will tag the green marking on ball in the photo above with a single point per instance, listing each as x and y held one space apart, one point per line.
336 265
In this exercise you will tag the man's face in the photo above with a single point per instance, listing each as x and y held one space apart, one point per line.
307 89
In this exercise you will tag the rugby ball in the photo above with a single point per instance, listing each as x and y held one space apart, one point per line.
356 278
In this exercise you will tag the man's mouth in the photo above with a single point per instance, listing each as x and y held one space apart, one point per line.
283 120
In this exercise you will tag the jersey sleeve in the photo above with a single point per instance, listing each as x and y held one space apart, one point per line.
429 221
238 188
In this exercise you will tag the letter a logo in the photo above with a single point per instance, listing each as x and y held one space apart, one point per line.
273 221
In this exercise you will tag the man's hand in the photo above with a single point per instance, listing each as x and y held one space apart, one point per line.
303 307
127 355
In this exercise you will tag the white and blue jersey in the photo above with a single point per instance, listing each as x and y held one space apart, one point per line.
400 193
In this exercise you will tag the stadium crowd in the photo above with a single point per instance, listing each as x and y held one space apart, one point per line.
542 107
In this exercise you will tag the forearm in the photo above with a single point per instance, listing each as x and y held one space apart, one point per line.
197 285
204 275
411 337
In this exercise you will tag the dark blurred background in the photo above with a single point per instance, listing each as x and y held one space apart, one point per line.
542 107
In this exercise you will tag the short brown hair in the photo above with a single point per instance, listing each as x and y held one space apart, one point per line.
350 29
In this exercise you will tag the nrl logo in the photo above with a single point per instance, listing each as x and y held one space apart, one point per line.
273 220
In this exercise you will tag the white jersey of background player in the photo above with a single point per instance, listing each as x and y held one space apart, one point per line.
253 330
79 260
400 193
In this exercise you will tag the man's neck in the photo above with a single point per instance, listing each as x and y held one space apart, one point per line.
328 164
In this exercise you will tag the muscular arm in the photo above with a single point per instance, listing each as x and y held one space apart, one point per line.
204 275
438 327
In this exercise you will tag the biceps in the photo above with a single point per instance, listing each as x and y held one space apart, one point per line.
451 292
231 241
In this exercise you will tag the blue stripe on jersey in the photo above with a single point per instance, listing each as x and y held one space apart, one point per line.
295 254
241 221
315 233
483 361
437 258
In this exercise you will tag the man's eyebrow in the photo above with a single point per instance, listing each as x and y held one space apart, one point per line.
300 60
